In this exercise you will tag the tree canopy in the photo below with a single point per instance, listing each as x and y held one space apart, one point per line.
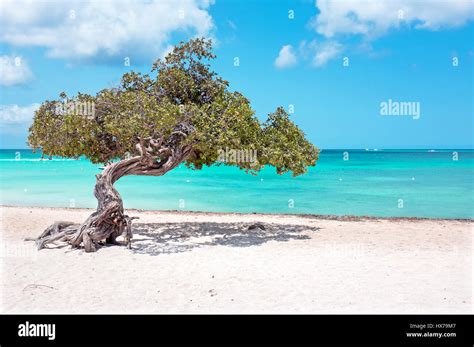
181 105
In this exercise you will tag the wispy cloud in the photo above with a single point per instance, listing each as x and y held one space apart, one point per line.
231 24
320 52
326 51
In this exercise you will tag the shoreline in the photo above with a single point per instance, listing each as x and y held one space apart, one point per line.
343 218
188 262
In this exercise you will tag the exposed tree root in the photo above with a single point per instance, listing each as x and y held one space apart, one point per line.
89 234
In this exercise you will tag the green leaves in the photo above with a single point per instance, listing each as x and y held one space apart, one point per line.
285 145
182 92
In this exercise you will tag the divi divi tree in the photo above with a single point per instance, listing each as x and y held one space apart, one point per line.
182 112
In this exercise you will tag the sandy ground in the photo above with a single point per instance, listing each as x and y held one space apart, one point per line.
210 263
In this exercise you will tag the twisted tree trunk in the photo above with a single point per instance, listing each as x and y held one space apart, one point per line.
109 221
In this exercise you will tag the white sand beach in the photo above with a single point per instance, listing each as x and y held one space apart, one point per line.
183 262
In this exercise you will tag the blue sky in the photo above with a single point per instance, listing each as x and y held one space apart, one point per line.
289 53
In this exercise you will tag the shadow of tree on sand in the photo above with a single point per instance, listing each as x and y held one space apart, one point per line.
159 238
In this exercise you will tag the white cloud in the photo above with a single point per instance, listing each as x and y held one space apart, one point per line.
13 70
326 51
80 29
373 18
14 114
320 52
286 57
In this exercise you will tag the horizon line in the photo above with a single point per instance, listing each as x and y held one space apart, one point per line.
335 149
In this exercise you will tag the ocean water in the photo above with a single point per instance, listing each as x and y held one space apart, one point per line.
410 183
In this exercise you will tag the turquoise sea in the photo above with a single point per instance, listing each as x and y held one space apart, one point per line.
411 183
